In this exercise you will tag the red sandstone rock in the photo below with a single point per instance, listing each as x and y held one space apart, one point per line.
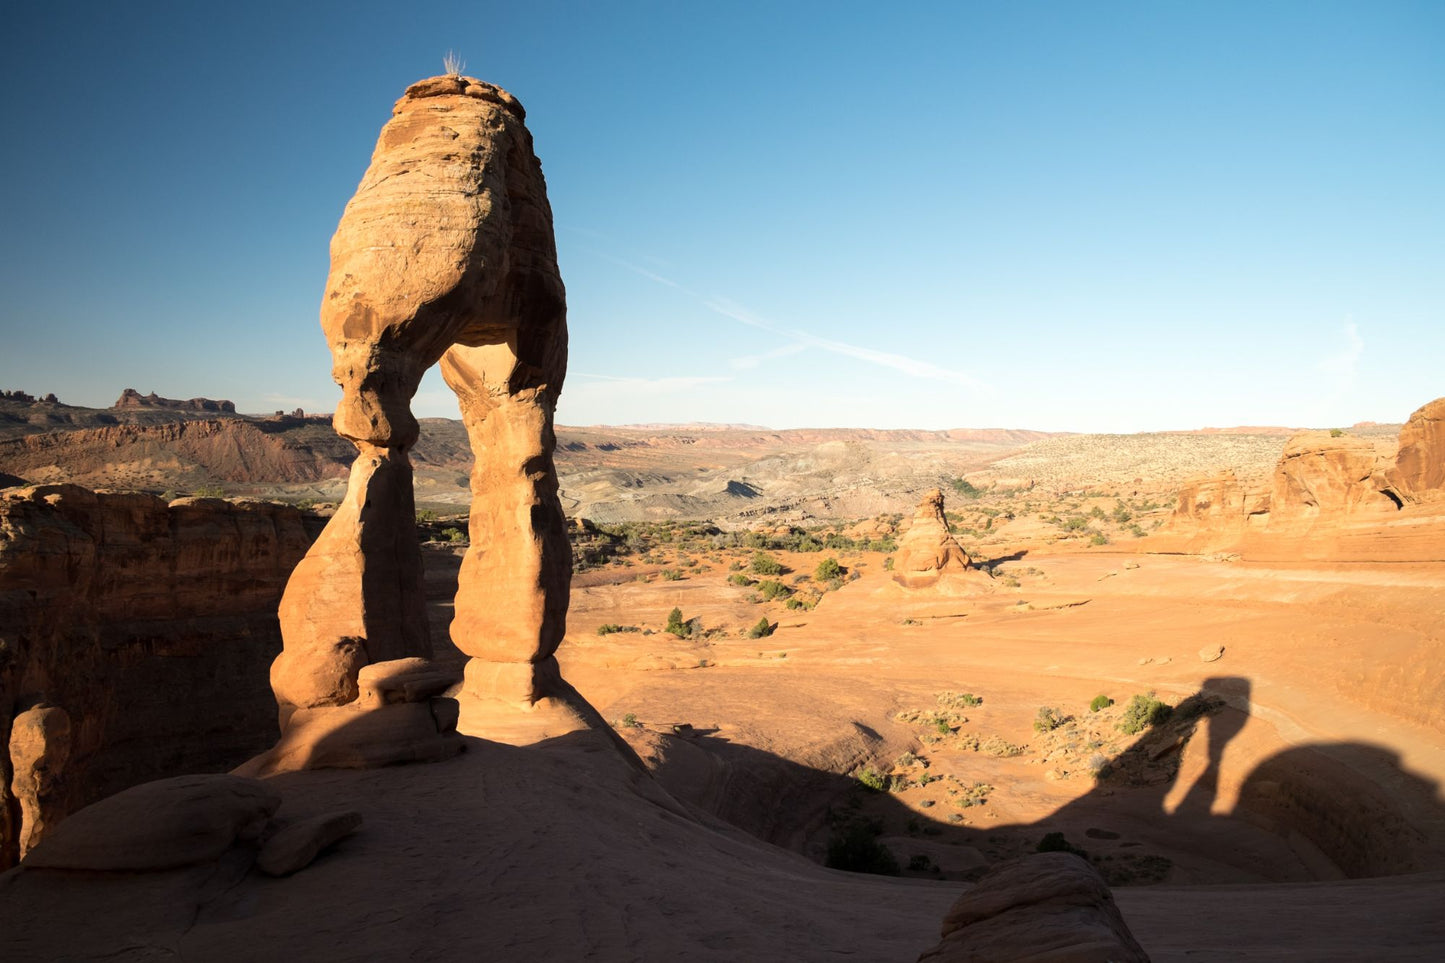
446 249
1419 471
928 550
148 625
159 825
1049 906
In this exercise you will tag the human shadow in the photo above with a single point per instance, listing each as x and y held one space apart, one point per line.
1318 811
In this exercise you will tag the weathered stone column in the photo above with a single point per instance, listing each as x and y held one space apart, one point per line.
448 241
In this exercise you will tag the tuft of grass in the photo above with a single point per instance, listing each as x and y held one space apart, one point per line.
453 64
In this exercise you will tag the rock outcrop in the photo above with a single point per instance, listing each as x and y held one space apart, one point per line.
134 637
161 456
928 551
445 253
1419 472
1331 497
1049 906
130 398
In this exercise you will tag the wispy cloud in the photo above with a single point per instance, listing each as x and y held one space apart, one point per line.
803 339
1346 362
749 361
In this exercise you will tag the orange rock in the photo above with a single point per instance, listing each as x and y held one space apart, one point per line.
1419 471
928 549
445 250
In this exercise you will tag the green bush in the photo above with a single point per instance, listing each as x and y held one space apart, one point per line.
763 629
828 569
1143 712
609 628
772 589
966 488
454 535
737 578
888 564
676 625
1099 538
1100 702
766 565
1048 719
629 721
671 575
871 778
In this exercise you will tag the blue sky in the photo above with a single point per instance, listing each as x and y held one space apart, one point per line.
1070 216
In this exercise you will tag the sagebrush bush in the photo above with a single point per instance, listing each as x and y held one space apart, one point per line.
1100 702
766 565
1048 719
1143 712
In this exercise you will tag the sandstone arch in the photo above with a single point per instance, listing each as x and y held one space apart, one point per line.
445 254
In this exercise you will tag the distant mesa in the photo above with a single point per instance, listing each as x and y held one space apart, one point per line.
26 398
131 399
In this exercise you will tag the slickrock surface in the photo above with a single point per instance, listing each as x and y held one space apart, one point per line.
446 254
159 825
133 640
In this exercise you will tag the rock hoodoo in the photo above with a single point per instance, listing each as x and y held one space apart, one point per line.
445 253
928 550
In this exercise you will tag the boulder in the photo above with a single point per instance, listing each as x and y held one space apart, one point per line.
293 846
1048 906
159 825
1419 470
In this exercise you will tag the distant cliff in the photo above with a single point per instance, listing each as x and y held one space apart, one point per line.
130 398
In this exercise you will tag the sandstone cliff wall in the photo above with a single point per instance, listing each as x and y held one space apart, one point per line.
135 638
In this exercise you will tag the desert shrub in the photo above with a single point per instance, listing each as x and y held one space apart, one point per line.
1056 843
771 589
1075 523
1099 538
1096 512
827 569
1048 719
871 778
897 783
629 721
1336 432
216 491
966 488
796 603
957 700
856 849
1100 702
942 726
735 567
1143 712
1002 748
888 564
454 535
763 629
766 565
424 517
609 628
737 578
671 575
675 624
